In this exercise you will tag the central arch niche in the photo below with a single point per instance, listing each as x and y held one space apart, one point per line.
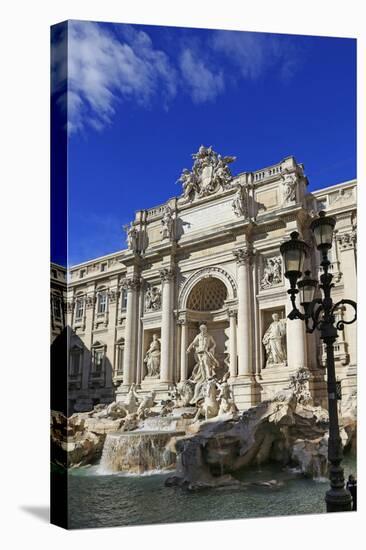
209 294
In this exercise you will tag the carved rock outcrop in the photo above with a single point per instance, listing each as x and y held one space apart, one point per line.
79 440
282 430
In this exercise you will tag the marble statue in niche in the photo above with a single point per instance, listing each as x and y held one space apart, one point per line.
274 342
152 358
167 224
272 272
204 347
153 299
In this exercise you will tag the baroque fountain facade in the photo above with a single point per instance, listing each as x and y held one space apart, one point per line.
186 329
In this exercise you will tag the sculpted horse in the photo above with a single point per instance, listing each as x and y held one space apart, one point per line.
131 403
209 407
146 404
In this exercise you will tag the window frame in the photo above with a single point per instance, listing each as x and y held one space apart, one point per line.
79 299
123 304
75 352
57 299
98 348
102 293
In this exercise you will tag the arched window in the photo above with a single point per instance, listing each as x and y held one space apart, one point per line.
209 294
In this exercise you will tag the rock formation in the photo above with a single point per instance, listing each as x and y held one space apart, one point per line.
207 446
282 430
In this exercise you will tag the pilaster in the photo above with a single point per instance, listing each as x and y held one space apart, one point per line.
167 279
347 247
132 285
244 257
183 350
233 344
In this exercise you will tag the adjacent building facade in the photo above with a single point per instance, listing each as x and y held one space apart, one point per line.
210 257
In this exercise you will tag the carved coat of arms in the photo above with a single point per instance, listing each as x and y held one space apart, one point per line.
209 174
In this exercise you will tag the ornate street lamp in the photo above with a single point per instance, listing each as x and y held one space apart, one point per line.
319 313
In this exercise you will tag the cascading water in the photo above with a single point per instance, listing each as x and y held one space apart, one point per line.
137 452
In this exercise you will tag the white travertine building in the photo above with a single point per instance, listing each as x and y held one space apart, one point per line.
210 257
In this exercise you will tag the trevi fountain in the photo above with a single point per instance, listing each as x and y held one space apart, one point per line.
195 452
191 395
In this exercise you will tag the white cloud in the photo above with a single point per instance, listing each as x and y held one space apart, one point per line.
254 53
203 84
103 70
107 67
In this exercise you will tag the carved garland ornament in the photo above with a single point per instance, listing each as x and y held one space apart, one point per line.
90 301
113 295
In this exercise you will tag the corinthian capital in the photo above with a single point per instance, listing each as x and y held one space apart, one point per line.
131 283
166 274
244 254
347 240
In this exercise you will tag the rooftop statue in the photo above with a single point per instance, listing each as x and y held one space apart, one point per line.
131 237
289 183
167 224
239 204
210 172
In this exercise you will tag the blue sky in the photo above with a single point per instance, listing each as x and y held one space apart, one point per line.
142 99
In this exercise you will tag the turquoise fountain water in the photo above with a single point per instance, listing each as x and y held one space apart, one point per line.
97 500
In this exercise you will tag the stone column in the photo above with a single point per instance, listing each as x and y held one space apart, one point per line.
132 285
347 245
232 344
88 338
243 258
167 278
295 338
183 350
140 332
295 329
111 344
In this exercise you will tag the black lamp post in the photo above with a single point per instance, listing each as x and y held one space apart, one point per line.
319 313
